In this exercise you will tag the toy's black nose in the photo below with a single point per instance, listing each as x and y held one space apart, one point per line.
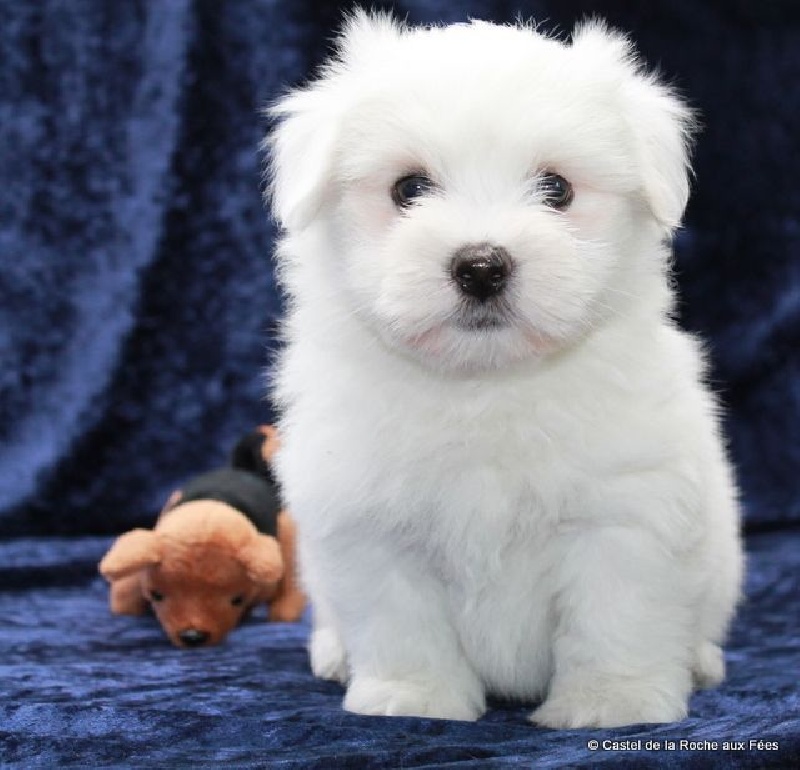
191 637
481 270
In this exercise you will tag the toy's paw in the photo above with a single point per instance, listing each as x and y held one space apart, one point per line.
708 667
394 697
611 706
328 658
286 609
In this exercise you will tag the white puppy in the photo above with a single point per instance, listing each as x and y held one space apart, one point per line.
505 466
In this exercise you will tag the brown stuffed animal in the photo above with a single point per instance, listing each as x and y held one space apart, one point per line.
221 545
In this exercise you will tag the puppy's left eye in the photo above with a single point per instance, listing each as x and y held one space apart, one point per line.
408 188
237 601
556 191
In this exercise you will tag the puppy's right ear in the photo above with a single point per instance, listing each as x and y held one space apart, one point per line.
301 152
302 145
131 552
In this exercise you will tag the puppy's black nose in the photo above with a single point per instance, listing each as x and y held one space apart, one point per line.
481 270
191 637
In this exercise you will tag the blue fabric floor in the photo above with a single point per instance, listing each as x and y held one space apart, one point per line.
82 688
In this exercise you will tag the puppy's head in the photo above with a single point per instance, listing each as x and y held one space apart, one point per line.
484 194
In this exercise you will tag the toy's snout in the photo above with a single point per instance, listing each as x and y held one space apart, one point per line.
193 637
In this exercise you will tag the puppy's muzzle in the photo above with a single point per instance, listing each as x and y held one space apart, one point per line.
481 270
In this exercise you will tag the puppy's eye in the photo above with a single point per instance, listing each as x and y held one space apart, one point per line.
556 191
408 188
237 601
156 596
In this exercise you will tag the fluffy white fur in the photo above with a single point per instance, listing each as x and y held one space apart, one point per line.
541 511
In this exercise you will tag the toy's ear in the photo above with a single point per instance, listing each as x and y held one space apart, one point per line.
262 559
662 126
131 552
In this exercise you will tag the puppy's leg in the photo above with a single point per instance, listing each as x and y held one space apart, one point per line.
624 639
325 647
720 596
404 656
708 665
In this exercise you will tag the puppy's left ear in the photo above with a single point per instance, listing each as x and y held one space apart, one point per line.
661 125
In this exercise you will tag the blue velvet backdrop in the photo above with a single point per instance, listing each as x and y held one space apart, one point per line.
136 312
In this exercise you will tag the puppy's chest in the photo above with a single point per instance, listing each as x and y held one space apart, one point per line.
467 508
462 476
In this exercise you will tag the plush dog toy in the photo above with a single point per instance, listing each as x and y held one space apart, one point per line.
221 545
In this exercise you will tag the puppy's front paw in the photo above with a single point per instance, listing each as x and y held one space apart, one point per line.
609 706
328 658
395 697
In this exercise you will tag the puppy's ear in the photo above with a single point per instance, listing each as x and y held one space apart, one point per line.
302 144
301 152
661 125
131 552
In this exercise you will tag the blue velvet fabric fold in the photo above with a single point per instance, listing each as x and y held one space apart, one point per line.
138 311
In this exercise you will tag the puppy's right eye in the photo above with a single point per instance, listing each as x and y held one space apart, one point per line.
408 188
157 596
